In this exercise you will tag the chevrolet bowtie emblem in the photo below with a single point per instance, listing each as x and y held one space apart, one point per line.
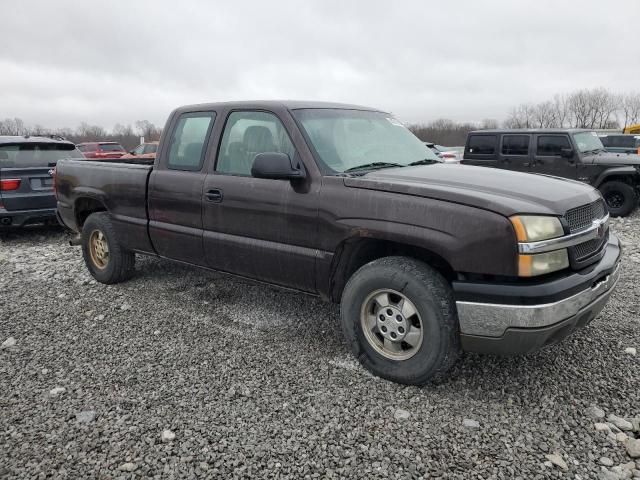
601 225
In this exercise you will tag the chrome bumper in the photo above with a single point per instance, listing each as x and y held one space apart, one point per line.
492 320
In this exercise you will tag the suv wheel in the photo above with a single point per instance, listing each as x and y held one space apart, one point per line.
106 260
621 198
399 318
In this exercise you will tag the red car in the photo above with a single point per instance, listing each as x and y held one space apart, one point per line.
101 150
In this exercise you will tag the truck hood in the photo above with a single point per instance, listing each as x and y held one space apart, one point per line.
613 159
500 191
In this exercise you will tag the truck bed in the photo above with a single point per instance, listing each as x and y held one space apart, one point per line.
121 187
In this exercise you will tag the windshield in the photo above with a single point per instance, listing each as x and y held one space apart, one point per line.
111 147
348 139
36 154
588 141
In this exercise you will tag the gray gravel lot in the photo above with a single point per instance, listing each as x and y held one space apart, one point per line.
187 373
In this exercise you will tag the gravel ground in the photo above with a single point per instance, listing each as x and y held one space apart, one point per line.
185 373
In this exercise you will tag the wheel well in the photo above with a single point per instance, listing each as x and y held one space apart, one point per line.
85 207
354 253
628 179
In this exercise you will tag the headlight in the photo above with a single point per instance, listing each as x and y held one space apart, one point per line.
531 228
541 263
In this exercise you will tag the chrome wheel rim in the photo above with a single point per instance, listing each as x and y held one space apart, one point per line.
99 249
391 324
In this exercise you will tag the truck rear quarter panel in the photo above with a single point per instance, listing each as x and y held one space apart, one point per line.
120 188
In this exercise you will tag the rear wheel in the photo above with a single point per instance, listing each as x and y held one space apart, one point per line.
621 198
399 318
106 260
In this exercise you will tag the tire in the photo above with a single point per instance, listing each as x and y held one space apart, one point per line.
620 197
430 295
118 264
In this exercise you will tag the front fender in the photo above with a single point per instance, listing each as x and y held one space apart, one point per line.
614 172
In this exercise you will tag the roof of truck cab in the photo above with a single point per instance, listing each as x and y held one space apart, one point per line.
14 139
288 104
532 130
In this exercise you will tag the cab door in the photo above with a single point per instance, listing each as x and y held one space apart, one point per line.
551 156
515 153
175 189
255 227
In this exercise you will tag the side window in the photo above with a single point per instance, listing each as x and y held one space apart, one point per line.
138 150
188 140
552 145
606 141
247 134
482 144
150 148
515 145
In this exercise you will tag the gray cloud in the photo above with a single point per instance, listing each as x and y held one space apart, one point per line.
65 62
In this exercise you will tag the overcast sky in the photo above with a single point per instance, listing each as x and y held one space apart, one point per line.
64 62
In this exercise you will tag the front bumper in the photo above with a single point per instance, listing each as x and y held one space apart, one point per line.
21 218
510 319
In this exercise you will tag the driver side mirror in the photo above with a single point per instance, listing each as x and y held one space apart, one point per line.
566 153
276 166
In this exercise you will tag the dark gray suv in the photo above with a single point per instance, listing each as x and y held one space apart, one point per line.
575 154
26 178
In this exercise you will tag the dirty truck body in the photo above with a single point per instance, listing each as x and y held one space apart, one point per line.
426 259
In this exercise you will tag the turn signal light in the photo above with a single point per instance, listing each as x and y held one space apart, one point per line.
8 184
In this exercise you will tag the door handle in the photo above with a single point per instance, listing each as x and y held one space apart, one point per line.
214 195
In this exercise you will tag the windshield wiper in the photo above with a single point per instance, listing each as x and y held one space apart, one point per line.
424 161
373 165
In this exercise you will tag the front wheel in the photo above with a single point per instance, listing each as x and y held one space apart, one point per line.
398 316
621 198
105 258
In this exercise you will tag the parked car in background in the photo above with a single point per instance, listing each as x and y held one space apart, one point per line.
570 153
101 150
344 202
144 150
26 178
620 143
447 154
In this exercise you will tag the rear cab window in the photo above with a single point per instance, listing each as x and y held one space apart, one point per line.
481 146
29 155
189 141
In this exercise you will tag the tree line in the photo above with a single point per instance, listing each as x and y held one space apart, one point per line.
597 109
126 135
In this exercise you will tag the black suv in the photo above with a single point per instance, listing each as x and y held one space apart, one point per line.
26 178
570 153
620 142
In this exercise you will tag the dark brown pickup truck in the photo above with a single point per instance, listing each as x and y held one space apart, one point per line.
426 259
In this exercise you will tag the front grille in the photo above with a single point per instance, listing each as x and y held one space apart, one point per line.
579 219
586 249
582 217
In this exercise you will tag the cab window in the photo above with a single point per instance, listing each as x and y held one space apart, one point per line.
189 140
247 134
515 145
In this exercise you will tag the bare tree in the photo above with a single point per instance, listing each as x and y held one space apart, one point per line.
630 109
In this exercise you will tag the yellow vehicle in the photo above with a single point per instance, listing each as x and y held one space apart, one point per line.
635 129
